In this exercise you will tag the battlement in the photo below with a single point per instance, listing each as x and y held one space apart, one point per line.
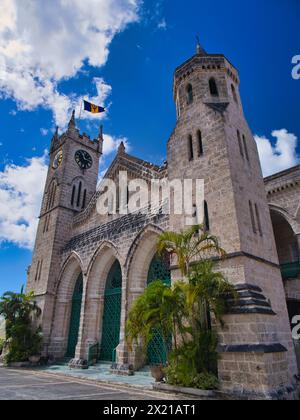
205 63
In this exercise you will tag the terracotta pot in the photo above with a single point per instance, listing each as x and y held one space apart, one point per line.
157 373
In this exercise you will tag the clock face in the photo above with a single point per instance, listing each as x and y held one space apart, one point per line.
57 160
83 159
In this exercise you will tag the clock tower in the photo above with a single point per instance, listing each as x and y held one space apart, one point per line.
71 183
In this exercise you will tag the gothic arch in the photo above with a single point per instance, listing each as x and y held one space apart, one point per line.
72 260
139 259
51 194
284 227
295 225
70 272
78 193
148 230
97 273
106 247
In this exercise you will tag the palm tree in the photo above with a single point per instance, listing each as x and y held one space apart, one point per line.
187 246
159 309
207 291
18 307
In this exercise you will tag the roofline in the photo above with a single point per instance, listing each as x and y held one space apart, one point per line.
152 166
203 56
282 173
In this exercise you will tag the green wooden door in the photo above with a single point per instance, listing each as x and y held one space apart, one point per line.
112 314
157 352
75 317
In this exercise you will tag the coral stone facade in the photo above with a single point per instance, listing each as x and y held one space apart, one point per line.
88 268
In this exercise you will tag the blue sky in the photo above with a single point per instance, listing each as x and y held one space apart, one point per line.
122 54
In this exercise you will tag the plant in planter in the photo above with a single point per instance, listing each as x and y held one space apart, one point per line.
23 339
194 363
183 311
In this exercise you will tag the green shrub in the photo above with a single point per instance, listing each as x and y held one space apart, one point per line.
194 364
22 338
177 375
23 343
2 342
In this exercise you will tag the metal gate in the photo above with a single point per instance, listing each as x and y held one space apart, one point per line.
157 350
111 314
75 317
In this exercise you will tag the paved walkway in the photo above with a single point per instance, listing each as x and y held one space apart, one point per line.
101 372
38 385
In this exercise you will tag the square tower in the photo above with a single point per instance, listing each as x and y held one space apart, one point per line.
71 183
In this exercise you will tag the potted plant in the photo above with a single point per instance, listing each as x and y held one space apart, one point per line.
157 372
36 347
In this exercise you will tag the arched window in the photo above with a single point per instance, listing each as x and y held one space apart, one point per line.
84 199
79 194
190 148
48 223
190 94
252 217
73 195
258 220
246 148
234 93
240 143
40 272
200 143
45 224
51 195
178 107
213 87
206 217
37 271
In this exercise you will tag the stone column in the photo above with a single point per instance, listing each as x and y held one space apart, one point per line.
81 354
56 343
122 349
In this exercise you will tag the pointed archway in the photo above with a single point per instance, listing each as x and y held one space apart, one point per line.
111 323
72 270
75 317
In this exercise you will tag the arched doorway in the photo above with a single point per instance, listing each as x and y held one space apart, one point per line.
111 314
157 352
75 317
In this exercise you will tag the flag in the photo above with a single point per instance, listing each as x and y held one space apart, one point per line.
94 109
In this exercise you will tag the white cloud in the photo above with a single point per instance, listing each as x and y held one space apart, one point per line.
21 189
162 25
45 42
279 155
21 192
103 91
111 144
44 131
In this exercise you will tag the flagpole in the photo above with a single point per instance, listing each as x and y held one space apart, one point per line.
80 108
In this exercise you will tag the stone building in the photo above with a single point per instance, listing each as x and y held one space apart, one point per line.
88 268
